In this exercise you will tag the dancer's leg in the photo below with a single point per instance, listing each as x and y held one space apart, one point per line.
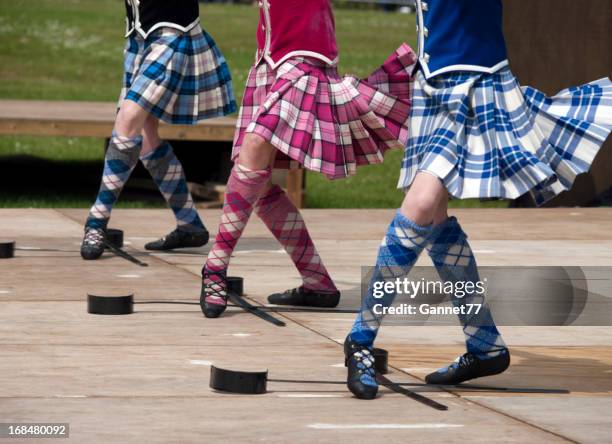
119 162
406 238
404 241
167 172
246 183
285 222
150 136
453 258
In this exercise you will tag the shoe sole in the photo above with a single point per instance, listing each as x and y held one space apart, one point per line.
211 311
199 244
91 258
366 397
315 302
484 374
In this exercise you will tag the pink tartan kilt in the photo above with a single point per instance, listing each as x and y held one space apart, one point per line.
325 122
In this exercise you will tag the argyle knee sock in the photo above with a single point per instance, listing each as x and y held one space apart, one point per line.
455 262
398 253
119 162
243 189
167 172
285 222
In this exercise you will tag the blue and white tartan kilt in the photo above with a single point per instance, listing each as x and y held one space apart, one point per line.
486 137
179 77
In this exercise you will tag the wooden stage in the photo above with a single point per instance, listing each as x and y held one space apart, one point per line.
144 377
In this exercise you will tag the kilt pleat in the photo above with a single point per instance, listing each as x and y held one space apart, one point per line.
325 122
178 77
486 137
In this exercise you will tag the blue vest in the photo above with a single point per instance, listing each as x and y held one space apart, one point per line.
460 35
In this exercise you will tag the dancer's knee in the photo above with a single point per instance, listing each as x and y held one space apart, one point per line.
255 152
419 207
425 201
130 119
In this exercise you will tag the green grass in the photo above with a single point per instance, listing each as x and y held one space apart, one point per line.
70 200
53 148
374 186
72 50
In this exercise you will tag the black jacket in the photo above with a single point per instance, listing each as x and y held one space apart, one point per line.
145 16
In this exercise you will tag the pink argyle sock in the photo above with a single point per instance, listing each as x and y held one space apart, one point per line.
243 189
286 224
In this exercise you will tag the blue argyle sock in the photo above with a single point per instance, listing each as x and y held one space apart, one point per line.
119 162
397 254
167 172
455 262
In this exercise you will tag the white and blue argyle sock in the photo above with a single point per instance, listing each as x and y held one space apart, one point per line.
397 254
168 174
455 262
119 162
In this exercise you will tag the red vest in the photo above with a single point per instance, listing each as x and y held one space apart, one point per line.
289 28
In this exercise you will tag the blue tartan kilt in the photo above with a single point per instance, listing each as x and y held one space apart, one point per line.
484 136
179 77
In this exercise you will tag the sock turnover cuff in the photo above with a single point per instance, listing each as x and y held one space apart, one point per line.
451 223
250 177
125 142
405 222
160 152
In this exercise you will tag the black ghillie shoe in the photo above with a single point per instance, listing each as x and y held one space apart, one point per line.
179 239
469 367
303 297
213 297
93 243
361 378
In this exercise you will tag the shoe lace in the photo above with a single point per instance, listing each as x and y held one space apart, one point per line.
464 361
365 360
94 236
215 286
173 235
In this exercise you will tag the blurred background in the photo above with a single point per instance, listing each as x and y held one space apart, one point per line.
72 50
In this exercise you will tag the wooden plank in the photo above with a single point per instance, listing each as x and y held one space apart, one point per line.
55 109
94 119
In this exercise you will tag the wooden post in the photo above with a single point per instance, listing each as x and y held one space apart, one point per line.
554 44
295 187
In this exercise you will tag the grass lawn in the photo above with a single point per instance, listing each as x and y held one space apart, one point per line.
72 50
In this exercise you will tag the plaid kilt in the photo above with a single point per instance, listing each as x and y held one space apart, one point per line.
486 137
178 77
325 122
